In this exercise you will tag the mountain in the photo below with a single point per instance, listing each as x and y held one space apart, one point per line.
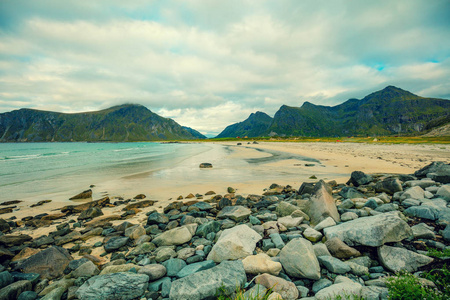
386 112
123 123
255 125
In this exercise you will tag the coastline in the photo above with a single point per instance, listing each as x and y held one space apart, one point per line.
333 161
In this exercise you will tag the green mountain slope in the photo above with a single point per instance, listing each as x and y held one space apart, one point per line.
255 125
390 111
123 123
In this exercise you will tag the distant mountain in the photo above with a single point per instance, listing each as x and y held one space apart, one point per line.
194 132
123 123
255 125
386 112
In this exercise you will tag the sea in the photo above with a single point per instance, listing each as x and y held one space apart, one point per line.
39 171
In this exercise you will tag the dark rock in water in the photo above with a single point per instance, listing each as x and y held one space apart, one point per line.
358 178
4 226
12 291
116 286
40 203
90 213
83 195
227 276
5 279
49 263
10 202
115 243
14 240
205 165
389 186
6 210
139 197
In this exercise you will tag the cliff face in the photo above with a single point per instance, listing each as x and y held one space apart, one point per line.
255 125
386 112
124 123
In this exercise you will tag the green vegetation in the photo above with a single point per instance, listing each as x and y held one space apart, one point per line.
407 286
124 123
438 253
391 111
222 294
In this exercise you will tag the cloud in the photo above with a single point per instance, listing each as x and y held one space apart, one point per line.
208 64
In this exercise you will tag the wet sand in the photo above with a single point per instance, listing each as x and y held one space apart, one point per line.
250 168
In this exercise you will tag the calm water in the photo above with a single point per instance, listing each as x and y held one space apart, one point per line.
32 169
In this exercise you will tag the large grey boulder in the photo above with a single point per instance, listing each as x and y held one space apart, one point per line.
286 289
49 263
236 213
229 275
322 205
438 171
299 260
415 192
234 243
176 236
334 264
120 286
358 178
372 231
398 259
343 288
389 186
12 291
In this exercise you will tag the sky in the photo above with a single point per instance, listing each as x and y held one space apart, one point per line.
208 64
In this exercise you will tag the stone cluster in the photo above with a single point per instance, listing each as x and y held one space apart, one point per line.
321 241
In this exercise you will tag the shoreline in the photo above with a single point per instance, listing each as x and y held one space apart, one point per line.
335 162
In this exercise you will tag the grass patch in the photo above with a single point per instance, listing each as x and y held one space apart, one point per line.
438 253
407 286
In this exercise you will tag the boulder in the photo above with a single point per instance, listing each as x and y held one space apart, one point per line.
415 192
358 178
444 192
176 236
236 213
334 264
14 240
153 271
83 195
111 269
339 249
227 276
285 208
90 213
328 222
173 266
157 218
298 259
438 171
5 279
389 186
398 259
205 166
140 204
135 232
261 263
234 243
286 289
120 286
49 263
289 221
343 288
321 204
115 243
12 291
312 235
372 231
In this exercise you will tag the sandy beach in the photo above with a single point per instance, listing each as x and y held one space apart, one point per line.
265 163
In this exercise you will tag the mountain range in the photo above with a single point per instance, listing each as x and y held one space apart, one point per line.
123 123
389 111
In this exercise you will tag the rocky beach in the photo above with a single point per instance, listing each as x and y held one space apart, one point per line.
312 237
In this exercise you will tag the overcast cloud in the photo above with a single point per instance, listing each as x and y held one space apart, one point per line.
208 64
